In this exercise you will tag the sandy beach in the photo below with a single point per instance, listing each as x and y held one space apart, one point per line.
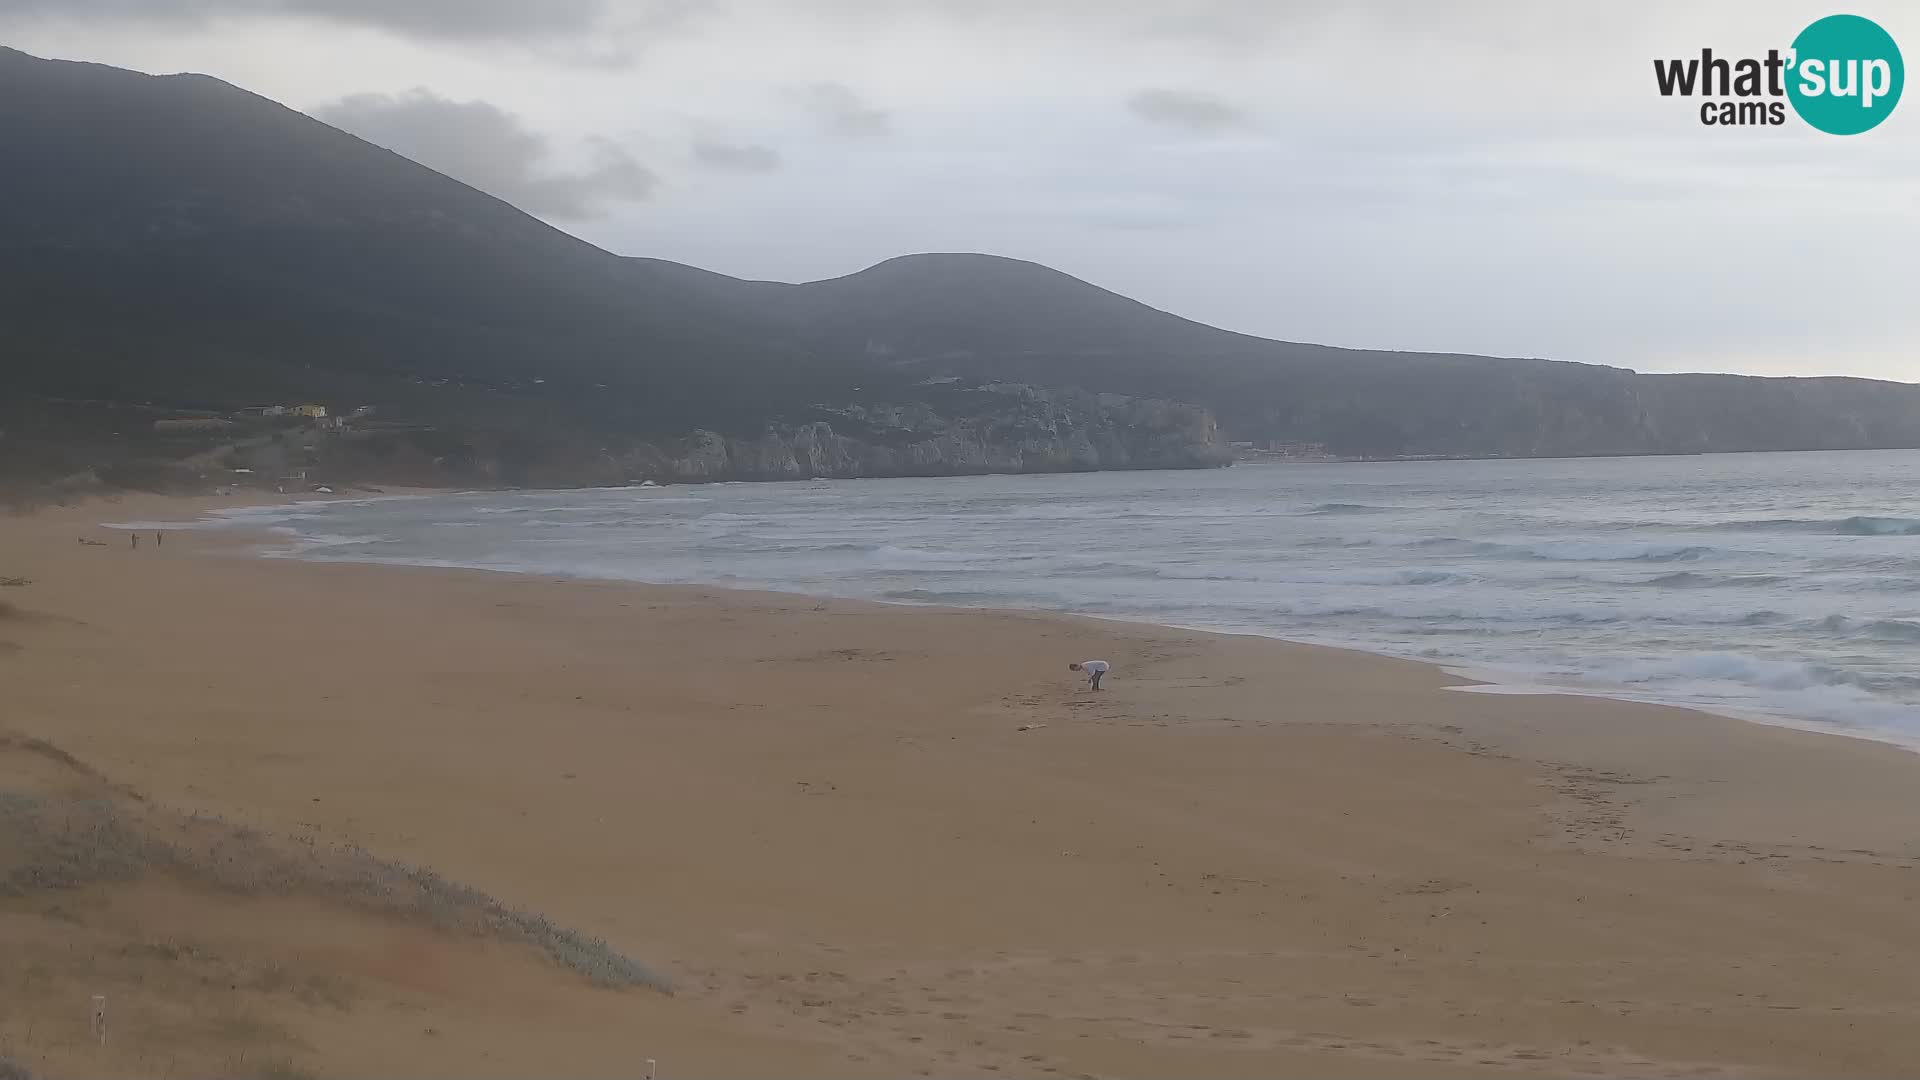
888 841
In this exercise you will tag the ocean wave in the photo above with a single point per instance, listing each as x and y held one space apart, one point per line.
1879 526
1388 540
1175 513
901 554
246 516
1689 579
1750 671
1431 577
1548 550
1876 629
327 540
169 526
1683 579
324 545
1893 630
1829 693
1594 551
1349 508
1857 525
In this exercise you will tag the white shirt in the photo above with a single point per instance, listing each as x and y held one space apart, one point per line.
1093 665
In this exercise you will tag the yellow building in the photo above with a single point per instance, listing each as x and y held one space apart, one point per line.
315 412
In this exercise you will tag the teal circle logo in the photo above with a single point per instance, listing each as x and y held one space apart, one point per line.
1846 75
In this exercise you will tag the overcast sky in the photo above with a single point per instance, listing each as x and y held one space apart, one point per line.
1479 177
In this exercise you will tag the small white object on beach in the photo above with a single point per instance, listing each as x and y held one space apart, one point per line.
97 1019
1031 727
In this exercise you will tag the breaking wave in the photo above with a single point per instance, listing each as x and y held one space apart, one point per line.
1858 525
1348 508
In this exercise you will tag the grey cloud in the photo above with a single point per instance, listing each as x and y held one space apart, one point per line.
736 157
459 18
480 144
615 42
1188 112
842 112
95 9
469 19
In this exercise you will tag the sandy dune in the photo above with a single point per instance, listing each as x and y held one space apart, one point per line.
824 822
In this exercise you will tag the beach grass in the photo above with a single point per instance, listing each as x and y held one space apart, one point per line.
61 841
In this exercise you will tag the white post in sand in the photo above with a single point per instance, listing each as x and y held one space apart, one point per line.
650 1065
97 1021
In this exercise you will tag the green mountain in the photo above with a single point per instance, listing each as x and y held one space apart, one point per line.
174 244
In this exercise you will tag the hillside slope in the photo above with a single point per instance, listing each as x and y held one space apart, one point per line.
178 239
953 314
179 243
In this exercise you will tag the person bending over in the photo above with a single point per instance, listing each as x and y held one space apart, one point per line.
1095 670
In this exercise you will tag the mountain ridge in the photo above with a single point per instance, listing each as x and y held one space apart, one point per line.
180 241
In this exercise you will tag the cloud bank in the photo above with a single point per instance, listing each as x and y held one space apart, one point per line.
1196 113
485 146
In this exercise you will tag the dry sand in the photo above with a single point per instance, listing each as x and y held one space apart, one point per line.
824 821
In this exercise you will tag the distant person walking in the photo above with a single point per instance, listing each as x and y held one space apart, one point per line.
1095 669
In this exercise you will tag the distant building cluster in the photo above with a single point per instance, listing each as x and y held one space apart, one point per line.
1281 450
312 412
318 414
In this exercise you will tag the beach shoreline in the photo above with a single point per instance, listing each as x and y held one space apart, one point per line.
281 541
886 839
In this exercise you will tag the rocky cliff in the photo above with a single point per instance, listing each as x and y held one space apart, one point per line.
1000 428
1008 428
951 430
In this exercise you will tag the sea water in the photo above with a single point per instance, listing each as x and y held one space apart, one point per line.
1783 587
